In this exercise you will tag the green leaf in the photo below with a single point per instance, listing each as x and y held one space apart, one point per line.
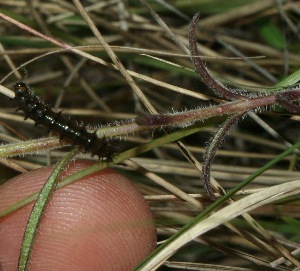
272 35
38 211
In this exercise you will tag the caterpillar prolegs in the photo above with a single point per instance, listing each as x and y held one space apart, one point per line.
67 129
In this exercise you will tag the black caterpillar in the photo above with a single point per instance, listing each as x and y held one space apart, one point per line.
68 130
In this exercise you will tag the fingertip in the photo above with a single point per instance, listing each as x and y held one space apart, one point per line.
99 223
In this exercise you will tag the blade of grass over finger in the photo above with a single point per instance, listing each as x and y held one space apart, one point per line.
118 159
38 211
131 24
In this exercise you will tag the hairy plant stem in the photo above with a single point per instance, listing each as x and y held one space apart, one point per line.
146 122
211 152
241 102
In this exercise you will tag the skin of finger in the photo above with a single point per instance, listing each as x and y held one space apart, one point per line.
99 223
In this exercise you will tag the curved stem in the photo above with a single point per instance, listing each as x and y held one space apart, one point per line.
200 66
211 151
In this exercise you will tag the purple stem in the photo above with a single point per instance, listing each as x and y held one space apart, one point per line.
211 151
201 68
189 117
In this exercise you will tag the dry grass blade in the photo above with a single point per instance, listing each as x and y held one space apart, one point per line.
173 189
227 213
112 59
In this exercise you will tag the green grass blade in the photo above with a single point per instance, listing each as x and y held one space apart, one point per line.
38 211
118 159
290 80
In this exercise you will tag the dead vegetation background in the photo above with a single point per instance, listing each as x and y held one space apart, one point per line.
248 44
